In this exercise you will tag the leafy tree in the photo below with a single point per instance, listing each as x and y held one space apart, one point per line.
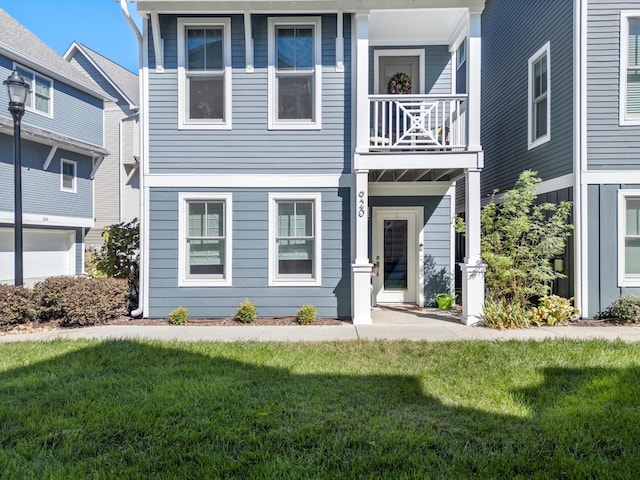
519 240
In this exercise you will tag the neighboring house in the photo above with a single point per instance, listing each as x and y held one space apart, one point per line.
277 167
62 142
116 182
561 95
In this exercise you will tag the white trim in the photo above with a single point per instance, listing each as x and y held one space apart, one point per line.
32 91
625 16
183 280
316 281
249 180
544 51
47 161
248 41
624 280
405 189
185 123
339 41
400 52
554 184
158 44
49 220
273 122
604 177
74 187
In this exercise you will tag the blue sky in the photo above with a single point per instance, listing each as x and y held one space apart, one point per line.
98 24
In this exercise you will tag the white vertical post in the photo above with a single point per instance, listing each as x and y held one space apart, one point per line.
340 42
473 82
361 267
472 269
248 40
362 82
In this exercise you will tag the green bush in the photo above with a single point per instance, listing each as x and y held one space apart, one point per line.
552 310
246 312
307 314
501 313
179 316
626 309
17 306
92 301
445 301
49 296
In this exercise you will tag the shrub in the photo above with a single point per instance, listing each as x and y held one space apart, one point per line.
626 309
179 316
92 301
17 306
306 314
49 296
553 310
246 312
501 313
445 301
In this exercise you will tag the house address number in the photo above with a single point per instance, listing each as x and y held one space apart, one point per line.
361 209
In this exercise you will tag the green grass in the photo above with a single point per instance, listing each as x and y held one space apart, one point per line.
125 409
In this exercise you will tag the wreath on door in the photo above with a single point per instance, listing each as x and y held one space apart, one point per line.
399 84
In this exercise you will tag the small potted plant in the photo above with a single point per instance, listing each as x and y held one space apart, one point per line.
445 301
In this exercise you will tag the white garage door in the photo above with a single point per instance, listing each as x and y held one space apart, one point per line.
46 253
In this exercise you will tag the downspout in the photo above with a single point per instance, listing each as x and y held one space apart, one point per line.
125 12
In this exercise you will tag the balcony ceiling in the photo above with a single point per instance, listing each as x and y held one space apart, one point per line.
413 176
415 27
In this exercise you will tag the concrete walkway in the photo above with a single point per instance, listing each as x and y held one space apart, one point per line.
426 325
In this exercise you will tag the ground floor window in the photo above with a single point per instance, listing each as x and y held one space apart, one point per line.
629 237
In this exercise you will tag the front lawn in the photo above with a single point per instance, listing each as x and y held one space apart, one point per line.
126 409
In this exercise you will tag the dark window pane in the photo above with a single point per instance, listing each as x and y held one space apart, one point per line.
540 119
395 254
206 98
295 98
195 49
304 48
285 45
295 257
206 257
214 52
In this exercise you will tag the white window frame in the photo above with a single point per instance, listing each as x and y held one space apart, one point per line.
625 16
534 142
184 280
32 90
273 122
625 280
184 122
461 53
274 278
74 164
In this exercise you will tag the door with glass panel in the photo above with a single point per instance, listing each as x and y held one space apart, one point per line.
395 241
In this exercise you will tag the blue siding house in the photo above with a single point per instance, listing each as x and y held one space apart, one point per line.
571 111
62 144
301 152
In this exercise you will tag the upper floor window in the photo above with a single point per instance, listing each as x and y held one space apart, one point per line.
629 238
204 73
39 97
461 53
295 73
630 68
540 97
68 175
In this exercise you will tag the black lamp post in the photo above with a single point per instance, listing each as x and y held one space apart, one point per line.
18 90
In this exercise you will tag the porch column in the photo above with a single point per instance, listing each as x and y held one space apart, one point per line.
472 269
362 82
473 82
361 267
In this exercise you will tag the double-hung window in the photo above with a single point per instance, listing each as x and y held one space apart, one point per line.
68 175
204 73
630 68
204 252
629 238
39 98
540 97
294 239
295 73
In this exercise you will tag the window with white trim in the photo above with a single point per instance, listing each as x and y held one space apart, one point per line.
68 177
630 68
294 239
39 98
204 73
461 53
204 250
629 238
295 73
540 97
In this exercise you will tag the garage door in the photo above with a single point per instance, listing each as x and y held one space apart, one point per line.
46 253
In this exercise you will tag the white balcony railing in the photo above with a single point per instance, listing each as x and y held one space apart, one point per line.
418 123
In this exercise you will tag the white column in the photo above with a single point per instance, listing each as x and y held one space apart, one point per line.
362 82
472 269
361 268
473 82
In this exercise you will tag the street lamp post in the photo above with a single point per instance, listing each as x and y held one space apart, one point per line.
18 90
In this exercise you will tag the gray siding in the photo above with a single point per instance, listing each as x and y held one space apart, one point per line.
511 33
75 114
41 189
210 151
609 146
461 78
437 239
250 243
602 231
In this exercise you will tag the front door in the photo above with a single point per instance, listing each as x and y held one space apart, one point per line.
389 66
395 247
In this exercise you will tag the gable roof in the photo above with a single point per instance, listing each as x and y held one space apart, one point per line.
22 46
123 80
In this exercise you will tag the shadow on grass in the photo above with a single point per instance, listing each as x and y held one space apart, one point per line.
122 409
